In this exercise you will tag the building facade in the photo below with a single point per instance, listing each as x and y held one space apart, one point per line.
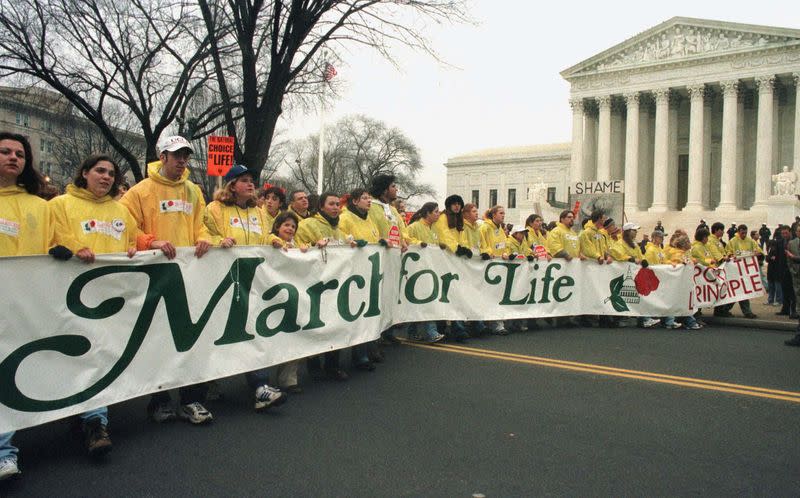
696 116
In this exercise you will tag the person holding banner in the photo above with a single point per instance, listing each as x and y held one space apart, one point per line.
593 244
562 242
680 253
450 224
742 246
88 221
274 200
700 249
626 248
470 237
25 230
536 236
168 210
494 245
322 230
654 253
715 244
298 204
391 226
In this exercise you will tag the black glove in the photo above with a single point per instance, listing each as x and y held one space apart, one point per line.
485 256
442 246
61 253
645 264
463 251
383 242
530 257
512 256
360 242
631 260
423 244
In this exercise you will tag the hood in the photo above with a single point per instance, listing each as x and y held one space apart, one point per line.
154 172
82 193
12 190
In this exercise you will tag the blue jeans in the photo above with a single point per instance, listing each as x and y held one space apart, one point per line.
360 354
428 329
774 292
688 321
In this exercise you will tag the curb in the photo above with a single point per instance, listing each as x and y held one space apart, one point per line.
751 323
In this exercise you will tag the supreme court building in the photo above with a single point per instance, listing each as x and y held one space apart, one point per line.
696 116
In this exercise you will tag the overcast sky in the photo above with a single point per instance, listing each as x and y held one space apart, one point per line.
502 86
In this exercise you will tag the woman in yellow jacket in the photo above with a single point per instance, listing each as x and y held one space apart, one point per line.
654 254
470 237
680 253
626 248
355 221
274 201
700 252
493 237
518 243
450 224
25 230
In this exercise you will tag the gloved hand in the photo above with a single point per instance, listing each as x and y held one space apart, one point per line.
530 257
360 242
511 256
485 256
61 253
383 242
423 244
442 246
645 264
463 251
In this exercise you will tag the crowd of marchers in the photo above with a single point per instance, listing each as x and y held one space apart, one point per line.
100 214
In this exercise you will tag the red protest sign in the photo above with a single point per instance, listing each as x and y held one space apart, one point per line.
394 236
220 155
540 252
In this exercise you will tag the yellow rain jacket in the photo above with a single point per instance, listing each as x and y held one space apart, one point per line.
385 216
167 210
26 227
715 247
351 223
471 236
655 255
742 248
536 238
316 228
269 220
515 247
592 242
562 239
244 225
102 224
620 251
678 256
701 253
493 239
298 214
447 236
422 232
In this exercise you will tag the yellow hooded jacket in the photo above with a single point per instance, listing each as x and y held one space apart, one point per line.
167 209
359 228
741 248
269 220
244 225
493 239
592 242
536 238
715 247
621 251
563 239
316 228
702 254
655 255
515 247
26 227
82 219
385 216
422 232
447 236
471 236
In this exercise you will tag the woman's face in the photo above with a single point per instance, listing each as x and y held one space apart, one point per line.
331 206
272 202
100 178
537 224
433 216
499 216
471 214
12 160
243 187
287 229
364 202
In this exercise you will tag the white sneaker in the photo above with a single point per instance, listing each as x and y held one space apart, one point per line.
8 468
650 323
195 413
694 326
161 412
436 338
267 396
674 325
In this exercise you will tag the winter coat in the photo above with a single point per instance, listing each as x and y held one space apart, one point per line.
423 232
351 223
536 238
655 255
269 220
621 251
316 228
83 220
470 237
493 239
244 225
26 227
702 254
716 247
447 236
562 240
385 216
592 243
167 209
522 248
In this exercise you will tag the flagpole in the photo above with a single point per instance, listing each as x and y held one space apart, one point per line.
321 131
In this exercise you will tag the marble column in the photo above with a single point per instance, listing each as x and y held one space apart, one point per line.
796 155
576 163
766 106
694 196
632 153
728 178
661 152
589 142
617 140
604 138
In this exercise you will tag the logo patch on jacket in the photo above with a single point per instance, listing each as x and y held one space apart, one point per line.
8 227
251 225
112 229
175 206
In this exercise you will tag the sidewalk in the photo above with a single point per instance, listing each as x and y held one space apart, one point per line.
767 319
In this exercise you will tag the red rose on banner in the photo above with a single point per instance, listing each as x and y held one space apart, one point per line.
646 281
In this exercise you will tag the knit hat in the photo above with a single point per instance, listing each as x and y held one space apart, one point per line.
453 199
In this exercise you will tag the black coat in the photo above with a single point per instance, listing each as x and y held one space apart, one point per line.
778 269
764 233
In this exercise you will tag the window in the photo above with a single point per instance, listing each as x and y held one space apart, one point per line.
47 126
551 194
23 120
476 195
512 198
492 197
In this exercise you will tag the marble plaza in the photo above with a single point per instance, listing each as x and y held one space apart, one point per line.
698 117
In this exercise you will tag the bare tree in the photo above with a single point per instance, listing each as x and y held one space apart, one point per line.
273 49
357 148
140 54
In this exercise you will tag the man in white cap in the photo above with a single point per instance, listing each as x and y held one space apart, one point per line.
168 210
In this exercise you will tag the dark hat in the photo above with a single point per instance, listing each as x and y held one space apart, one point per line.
380 183
453 199
235 172
608 223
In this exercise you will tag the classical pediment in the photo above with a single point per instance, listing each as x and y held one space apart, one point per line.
681 39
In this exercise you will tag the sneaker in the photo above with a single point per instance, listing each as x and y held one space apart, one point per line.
98 443
650 323
8 468
673 325
694 326
438 337
267 396
195 413
161 412
500 332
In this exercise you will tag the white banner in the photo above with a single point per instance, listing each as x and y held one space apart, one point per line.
75 337
733 281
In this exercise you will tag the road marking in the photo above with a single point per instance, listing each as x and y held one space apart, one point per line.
710 385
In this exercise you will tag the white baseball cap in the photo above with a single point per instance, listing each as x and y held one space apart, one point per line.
630 226
173 143
518 228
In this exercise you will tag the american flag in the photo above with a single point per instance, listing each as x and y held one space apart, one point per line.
329 72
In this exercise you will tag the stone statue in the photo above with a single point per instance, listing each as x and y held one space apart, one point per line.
784 182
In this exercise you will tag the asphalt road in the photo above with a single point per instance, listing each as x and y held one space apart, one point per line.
439 422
